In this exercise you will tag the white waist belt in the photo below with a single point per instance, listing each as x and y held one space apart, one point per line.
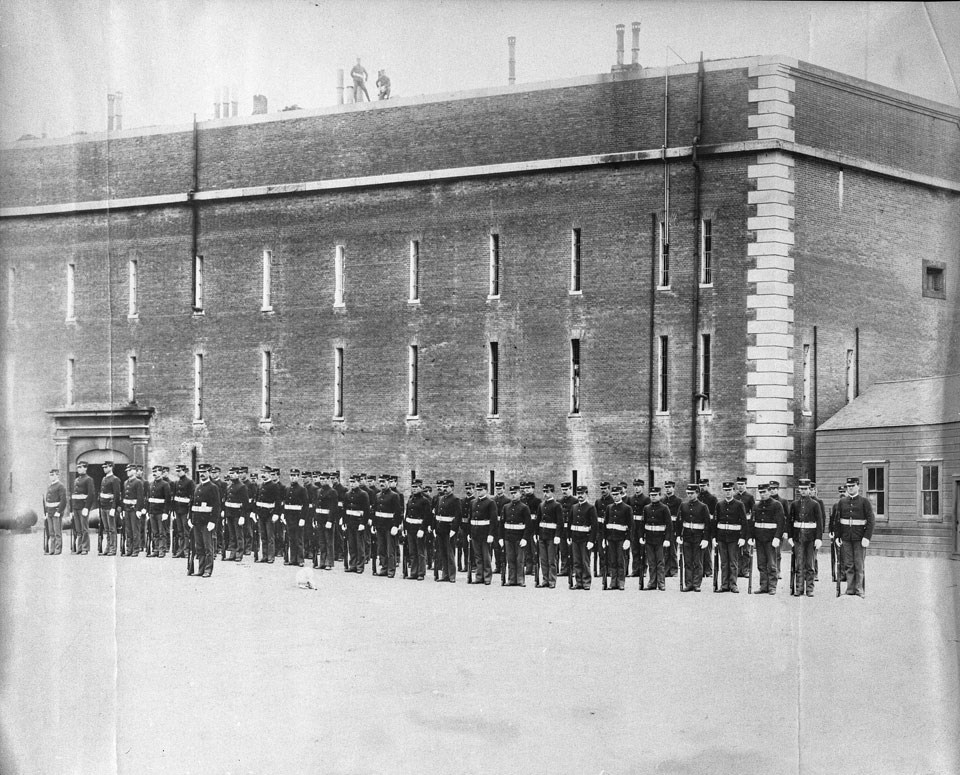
106 496
445 519
181 499
805 525
265 505
78 497
727 526
354 513
615 526
480 522
656 528
765 525
514 525
693 525
323 511
580 528
129 502
853 522
384 514
232 505
549 525
52 503
412 521
293 506
160 500
203 509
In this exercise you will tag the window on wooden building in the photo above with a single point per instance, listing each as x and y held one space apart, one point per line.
875 475
929 490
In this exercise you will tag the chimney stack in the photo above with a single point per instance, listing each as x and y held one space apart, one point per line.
115 111
512 45
339 85
620 29
234 104
635 60
259 104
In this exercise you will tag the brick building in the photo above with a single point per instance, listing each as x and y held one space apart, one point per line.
651 271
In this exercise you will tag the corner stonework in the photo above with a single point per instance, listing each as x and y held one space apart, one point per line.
770 367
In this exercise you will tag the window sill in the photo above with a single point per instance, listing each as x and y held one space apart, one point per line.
199 425
134 316
574 415
934 295
704 413
493 416
198 313
491 297
661 414
341 305
663 288
575 293
806 413
265 423
413 418
413 302
267 309
68 321
341 418
706 285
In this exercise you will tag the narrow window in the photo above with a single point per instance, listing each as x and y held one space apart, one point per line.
197 387
11 296
265 360
664 255
663 364
850 376
705 369
575 261
574 376
412 366
494 391
806 380
71 291
71 385
494 266
929 490
198 284
132 288
414 270
267 302
933 280
338 382
338 277
877 490
131 379
706 252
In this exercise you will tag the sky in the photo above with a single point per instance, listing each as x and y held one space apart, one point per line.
60 58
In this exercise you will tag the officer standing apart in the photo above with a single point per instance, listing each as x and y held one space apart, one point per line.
110 495
583 536
856 520
694 538
205 513
515 537
483 528
656 534
730 526
54 507
807 527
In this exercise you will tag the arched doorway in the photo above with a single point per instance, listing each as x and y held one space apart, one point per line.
95 458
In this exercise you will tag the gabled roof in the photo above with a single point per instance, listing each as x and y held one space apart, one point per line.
923 401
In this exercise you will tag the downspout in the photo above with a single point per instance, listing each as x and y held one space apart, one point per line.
695 310
194 205
815 390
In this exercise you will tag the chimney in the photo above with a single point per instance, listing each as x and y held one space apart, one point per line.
234 105
216 104
512 45
339 85
110 112
635 59
259 104
115 111
620 45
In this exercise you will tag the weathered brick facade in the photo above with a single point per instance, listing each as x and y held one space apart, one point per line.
581 155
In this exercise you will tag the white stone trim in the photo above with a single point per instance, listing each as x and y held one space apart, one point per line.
775 442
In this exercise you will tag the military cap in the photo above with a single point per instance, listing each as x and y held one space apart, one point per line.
566 485
54 470
727 486
156 468
166 469
481 485
417 483
638 482
704 482
842 489
670 484
618 490
549 488
622 485
514 488
428 488
741 480
775 484
181 467
107 464
583 488
692 488
604 484
498 484
216 469
763 487
244 469
294 472
336 474
353 478
204 467
803 483
654 490
468 485
853 480
81 464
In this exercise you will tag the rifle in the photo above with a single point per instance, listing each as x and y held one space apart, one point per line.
503 565
833 559
121 532
570 563
405 554
793 571
716 565
750 580
99 532
373 550
190 565
433 556
680 566
222 532
837 569
469 560
603 565
46 535
536 560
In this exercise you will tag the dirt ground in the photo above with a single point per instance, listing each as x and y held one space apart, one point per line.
128 665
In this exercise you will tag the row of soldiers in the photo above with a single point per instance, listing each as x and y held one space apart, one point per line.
315 516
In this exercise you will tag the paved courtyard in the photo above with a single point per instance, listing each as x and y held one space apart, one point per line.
128 665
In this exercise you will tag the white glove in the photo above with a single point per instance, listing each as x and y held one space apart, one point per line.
328 525
776 543
56 513
703 544
85 512
253 516
489 539
283 519
420 534
393 530
626 544
740 542
113 512
361 527
301 523
500 542
240 521
680 540
817 543
556 540
210 527
643 541
864 542
839 542
751 541
189 523
164 517
589 546
790 541
523 542
666 544
274 518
